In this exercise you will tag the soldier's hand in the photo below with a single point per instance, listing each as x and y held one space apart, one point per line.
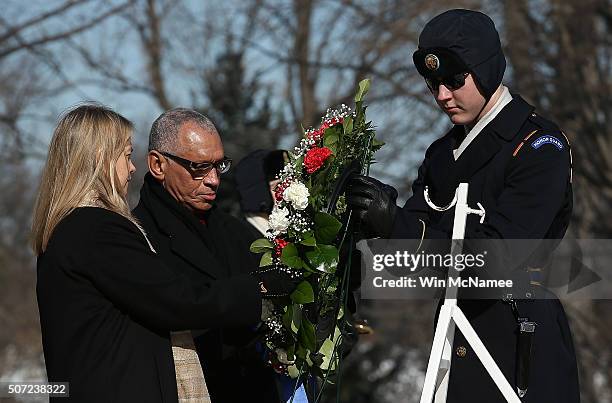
374 204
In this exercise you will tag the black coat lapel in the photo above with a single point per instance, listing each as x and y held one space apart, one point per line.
180 227
441 175
183 245
486 144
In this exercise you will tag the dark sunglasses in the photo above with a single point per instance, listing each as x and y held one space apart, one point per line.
199 170
452 82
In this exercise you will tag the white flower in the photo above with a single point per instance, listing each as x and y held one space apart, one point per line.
279 220
297 194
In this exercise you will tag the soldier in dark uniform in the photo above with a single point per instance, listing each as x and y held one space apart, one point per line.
518 166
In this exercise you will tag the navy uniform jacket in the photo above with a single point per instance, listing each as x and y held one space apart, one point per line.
519 169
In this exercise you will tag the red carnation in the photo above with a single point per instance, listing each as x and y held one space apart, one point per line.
279 189
316 134
279 244
315 158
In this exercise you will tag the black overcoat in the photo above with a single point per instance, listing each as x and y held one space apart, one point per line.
107 304
523 180
215 247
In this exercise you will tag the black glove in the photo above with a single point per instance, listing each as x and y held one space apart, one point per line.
275 283
374 204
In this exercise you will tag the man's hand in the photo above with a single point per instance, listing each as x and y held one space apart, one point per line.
374 204
275 283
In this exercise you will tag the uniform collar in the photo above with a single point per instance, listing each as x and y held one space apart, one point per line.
509 121
504 99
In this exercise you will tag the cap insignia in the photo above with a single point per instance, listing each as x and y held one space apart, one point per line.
432 62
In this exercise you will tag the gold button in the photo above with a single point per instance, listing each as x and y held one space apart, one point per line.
461 351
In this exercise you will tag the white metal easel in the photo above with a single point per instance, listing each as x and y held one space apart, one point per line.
438 367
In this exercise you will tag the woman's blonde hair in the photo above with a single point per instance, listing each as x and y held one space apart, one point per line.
80 168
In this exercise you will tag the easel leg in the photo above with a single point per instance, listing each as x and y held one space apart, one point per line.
445 364
437 348
485 357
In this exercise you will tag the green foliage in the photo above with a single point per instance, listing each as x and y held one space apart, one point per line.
332 137
303 293
326 227
309 241
323 258
291 258
266 259
306 335
362 89
261 245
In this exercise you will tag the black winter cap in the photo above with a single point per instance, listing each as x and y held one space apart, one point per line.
458 41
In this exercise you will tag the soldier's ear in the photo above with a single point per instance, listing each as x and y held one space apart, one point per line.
158 164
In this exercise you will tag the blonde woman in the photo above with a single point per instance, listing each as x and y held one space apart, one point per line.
107 303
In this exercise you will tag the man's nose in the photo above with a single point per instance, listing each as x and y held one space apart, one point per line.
444 94
212 178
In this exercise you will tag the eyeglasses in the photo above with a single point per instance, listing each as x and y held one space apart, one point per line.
199 170
452 83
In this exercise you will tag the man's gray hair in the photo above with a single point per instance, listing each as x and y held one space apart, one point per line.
164 131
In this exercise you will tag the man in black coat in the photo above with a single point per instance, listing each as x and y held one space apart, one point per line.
518 166
197 240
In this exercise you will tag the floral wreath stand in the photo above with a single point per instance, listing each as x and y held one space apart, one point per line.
435 388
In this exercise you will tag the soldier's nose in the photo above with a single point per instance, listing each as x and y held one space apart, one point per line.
443 93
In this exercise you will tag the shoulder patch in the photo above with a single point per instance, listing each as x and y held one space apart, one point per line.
547 139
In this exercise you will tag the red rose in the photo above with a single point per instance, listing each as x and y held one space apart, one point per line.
315 158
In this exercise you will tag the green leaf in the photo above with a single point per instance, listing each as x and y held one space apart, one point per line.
266 259
364 86
292 371
330 139
306 335
326 227
303 293
327 349
261 245
377 143
301 352
348 124
290 256
310 241
296 320
287 316
323 258
299 164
